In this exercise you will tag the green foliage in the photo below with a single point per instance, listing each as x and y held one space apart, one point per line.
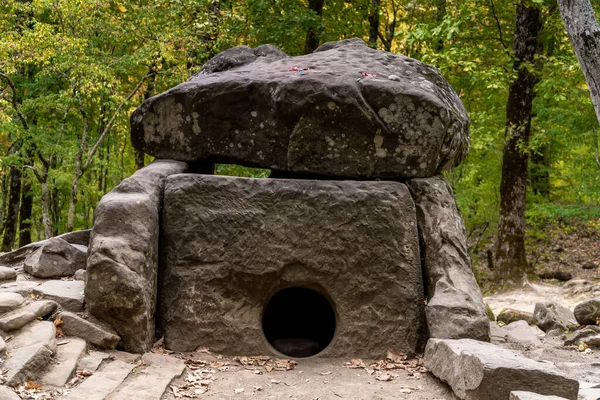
75 62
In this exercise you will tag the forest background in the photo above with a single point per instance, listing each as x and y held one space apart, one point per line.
72 71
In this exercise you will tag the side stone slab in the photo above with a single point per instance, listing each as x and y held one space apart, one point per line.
123 255
455 308
231 243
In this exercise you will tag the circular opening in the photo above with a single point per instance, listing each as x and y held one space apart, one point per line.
299 322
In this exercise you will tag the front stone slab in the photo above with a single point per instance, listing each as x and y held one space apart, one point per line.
229 244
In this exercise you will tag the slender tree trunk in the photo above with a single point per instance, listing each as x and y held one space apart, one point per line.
25 211
439 18
374 22
540 171
3 194
312 38
584 33
511 262
12 211
46 220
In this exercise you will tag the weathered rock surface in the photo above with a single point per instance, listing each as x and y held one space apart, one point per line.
9 301
247 107
550 315
25 363
102 383
508 315
80 275
7 394
520 395
355 241
66 357
94 332
69 294
55 258
455 308
123 255
588 312
17 257
24 288
92 361
477 371
36 333
18 318
151 379
520 332
7 274
589 335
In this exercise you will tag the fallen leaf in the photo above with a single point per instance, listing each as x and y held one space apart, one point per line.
325 373
238 390
396 356
384 377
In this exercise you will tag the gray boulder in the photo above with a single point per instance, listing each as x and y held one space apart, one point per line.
588 312
123 255
550 315
92 331
251 107
55 258
482 371
69 294
17 257
455 308
356 242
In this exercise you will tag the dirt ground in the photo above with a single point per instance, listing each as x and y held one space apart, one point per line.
311 379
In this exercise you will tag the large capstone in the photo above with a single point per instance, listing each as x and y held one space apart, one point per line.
231 244
345 110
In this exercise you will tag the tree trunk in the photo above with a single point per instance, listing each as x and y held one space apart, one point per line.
25 212
511 262
312 39
374 23
584 33
540 171
440 14
46 221
12 211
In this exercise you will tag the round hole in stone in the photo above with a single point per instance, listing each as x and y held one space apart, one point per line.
299 322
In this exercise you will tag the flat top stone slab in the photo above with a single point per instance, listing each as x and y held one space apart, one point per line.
69 294
7 394
352 112
102 383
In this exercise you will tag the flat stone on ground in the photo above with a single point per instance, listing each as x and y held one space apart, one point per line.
521 332
520 395
102 383
18 318
25 363
92 361
7 273
7 394
67 356
69 294
98 334
482 371
36 333
151 379
24 288
9 301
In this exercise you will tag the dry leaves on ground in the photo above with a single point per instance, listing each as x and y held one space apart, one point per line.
33 391
394 361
